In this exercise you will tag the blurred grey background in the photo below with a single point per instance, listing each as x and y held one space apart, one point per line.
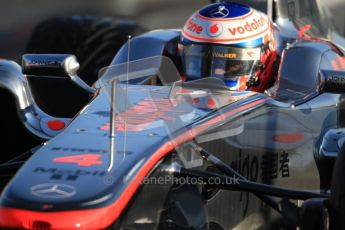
18 17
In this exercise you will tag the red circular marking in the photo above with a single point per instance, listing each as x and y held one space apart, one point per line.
56 125
211 102
214 28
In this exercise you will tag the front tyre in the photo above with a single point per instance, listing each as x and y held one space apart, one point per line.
337 198
95 42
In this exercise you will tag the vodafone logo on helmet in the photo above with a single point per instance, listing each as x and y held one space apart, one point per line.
215 29
249 26
253 25
193 26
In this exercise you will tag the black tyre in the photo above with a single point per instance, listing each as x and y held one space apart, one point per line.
94 40
184 209
337 198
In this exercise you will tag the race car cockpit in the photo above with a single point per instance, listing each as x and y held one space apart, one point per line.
300 74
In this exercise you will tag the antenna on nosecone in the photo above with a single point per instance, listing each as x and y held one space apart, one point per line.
113 113
126 98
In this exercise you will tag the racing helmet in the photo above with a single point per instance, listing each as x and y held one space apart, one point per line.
229 41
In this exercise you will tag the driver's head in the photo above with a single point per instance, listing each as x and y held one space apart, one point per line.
228 41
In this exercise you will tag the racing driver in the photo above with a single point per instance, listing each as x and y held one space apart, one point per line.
232 42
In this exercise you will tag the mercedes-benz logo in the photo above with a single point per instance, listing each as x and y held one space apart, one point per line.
221 12
53 190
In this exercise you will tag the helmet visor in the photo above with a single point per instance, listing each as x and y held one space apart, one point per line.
228 63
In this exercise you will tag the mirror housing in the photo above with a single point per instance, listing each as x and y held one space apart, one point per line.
332 81
58 65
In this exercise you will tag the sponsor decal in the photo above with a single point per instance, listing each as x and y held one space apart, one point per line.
265 167
138 117
251 53
54 191
248 54
67 174
215 29
216 54
45 62
78 150
85 160
194 27
227 30
220 12
254 25
224 55
274 165
338 80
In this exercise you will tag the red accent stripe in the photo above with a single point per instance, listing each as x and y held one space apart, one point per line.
288 138
226 19
101 218
185 33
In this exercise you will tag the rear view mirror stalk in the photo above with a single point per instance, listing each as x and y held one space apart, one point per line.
59 65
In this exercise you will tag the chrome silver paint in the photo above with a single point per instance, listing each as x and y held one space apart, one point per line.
60 65
71 66
33 118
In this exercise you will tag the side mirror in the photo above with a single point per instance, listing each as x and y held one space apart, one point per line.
332 81
331 143
59 65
